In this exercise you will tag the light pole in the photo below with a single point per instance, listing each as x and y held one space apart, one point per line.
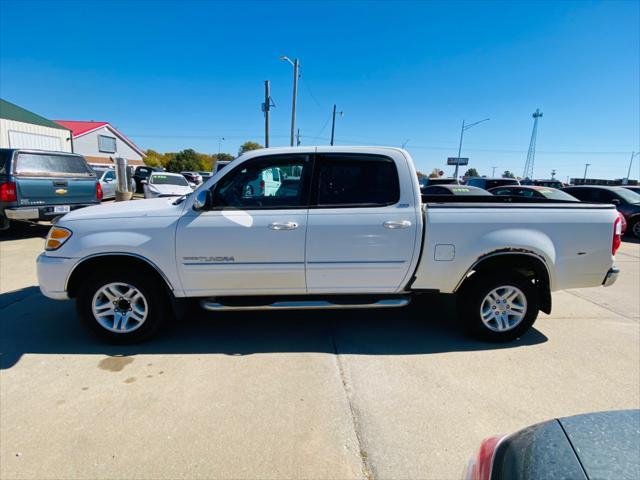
220 140
586 167
462 130
296 66
633 154
493 172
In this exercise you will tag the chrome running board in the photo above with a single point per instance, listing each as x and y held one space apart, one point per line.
306 305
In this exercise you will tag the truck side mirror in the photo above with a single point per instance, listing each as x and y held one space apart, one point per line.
202 200
616 201
143 182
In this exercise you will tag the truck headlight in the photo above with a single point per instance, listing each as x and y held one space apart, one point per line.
56 237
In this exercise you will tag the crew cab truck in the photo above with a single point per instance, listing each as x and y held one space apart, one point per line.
354 232
41 185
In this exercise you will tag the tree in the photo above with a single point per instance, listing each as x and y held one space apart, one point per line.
186 160
153 158
472 172
224 157
247 146
508 174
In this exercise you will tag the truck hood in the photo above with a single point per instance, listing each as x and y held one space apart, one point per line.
155 207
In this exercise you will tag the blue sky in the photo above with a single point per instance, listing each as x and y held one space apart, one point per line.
181 75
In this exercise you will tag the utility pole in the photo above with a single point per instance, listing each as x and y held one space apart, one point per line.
493 172
220 139
296 66
464 127
266 107
298 138
333 123
633 154
553 174
586 166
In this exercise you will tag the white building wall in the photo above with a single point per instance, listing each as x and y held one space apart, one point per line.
87 145
15 134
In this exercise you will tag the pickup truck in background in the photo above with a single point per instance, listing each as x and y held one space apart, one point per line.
41 185
350 230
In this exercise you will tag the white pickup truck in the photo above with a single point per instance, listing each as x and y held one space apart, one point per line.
347 228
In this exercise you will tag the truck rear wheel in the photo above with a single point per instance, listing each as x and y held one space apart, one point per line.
498 309
122 307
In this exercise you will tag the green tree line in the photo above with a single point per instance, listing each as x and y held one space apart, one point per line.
189 160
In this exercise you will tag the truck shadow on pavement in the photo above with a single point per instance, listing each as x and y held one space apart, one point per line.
33 324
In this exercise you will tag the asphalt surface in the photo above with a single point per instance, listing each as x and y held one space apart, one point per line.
371 394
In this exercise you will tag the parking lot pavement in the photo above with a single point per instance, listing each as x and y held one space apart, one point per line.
350 394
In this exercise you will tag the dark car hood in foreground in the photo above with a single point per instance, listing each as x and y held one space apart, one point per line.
592 446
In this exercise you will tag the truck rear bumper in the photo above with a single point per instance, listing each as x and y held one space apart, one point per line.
611 277
38 213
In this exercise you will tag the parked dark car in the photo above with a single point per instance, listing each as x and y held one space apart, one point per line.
487 183
532 191
142 173
626 201
453 190
633 188
603 446
41 185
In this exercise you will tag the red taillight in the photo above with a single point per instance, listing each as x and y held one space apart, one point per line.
480 467
8 192
261 186
98 191
617 236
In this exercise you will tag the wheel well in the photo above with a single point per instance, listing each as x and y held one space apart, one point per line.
527 265
124 262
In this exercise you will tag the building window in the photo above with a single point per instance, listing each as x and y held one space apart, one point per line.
106 144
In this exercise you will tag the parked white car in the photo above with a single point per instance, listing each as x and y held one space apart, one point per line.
107 178
352 232
163 184
265 183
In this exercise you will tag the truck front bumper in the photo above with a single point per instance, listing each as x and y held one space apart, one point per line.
611 277
45 212
52 275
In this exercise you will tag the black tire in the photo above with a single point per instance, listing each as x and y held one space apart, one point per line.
634 228
472 295
155 295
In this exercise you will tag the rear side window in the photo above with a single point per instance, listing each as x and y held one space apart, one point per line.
39 165
476 182
356 180
4 160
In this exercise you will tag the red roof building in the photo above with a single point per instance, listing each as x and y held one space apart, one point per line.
99 142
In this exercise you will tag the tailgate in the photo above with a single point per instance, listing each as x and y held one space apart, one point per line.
55 191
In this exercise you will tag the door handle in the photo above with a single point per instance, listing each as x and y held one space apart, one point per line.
396 224
283 225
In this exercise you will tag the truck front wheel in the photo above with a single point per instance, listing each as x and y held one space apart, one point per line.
122 307
498 309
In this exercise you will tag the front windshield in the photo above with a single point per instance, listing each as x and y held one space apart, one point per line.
627 195
168 180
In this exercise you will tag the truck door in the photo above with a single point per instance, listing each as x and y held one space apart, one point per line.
362 231
251 241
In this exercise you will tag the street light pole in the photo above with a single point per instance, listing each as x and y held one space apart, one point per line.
462 130
296 66
586 166
493 171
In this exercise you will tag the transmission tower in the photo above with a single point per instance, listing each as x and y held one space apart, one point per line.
531 154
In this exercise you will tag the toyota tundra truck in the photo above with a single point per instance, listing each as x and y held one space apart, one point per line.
349 230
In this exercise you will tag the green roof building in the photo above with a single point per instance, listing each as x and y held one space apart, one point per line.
21 128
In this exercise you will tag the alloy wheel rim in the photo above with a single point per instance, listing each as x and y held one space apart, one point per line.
636 229
119 307
503 308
